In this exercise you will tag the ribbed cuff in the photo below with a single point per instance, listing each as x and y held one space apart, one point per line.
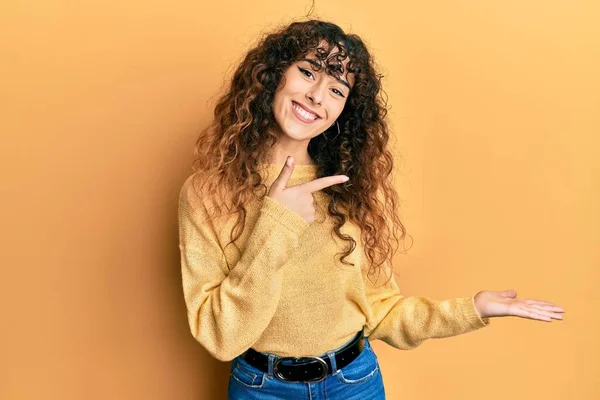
290 219
467 307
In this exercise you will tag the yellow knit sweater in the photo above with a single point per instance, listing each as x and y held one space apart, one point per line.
286 294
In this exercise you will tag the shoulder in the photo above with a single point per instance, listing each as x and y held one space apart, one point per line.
188 192
192 196
200 199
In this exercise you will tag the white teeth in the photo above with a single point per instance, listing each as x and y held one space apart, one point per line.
304 113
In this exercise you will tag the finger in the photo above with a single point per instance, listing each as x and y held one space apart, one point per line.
530 301
524 313
548 307
322 183
508 293
545 313
285 173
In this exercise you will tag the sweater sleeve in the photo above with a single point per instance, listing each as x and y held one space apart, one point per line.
405 322
229 309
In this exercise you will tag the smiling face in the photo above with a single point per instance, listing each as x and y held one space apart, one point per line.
308 100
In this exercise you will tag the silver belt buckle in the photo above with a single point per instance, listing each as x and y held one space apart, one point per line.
278 375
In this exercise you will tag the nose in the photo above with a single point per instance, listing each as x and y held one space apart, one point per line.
316 92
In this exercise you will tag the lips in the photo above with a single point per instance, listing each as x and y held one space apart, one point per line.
300 116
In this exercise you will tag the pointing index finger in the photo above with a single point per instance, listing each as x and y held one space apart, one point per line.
322 183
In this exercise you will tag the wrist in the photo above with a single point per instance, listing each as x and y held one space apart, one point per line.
479 306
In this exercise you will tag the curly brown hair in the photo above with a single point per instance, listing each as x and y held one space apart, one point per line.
229 151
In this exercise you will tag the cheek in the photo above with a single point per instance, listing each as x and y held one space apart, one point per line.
281 95
336 111
279 107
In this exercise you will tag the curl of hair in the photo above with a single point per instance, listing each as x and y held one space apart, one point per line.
228 151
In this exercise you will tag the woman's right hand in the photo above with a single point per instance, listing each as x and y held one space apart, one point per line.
299 198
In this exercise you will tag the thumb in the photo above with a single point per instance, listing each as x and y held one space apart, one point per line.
284 176
509 293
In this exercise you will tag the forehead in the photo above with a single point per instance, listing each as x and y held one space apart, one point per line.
333 52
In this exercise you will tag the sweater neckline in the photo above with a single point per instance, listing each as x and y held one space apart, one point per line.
301 171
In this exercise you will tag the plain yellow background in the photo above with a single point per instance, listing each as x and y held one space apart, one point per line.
495 108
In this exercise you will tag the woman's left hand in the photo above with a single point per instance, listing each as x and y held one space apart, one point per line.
506 303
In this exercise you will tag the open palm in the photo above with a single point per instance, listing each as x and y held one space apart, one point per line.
506 303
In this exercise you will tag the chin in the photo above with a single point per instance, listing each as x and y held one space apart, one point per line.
296 136
298 133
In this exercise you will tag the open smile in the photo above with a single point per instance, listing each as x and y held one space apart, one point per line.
303 114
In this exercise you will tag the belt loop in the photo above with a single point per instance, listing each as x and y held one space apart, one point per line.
270 365
331 355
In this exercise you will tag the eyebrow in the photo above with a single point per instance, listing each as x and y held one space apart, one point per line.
319 66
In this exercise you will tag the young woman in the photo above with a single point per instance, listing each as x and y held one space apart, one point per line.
286 222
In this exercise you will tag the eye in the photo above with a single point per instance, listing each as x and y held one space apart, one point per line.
309 75
305 72
339 93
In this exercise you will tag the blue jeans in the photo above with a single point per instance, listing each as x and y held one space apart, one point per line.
359 380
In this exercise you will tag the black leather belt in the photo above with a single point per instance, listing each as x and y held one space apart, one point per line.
307 369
